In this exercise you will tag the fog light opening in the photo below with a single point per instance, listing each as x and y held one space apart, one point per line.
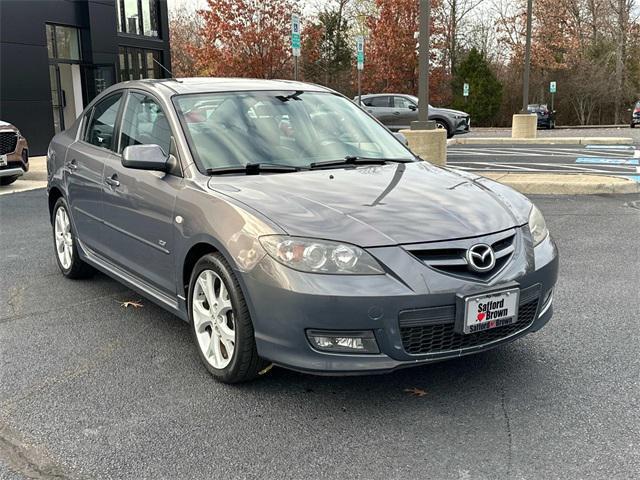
343 342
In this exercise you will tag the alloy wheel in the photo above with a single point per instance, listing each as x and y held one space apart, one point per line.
64 239
214 319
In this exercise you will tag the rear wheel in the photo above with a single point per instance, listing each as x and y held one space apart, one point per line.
8 180
64 241
221 324
633 125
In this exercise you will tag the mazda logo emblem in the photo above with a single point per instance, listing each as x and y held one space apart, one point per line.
481 258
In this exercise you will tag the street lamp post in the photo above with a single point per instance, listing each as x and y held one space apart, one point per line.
423 122
527 59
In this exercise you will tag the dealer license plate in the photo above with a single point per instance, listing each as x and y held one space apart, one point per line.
3 160
491 310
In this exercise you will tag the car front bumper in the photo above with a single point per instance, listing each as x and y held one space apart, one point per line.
17 158
377 304
462 125
635 120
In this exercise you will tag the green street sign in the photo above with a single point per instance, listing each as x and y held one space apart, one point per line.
360 52
465 90
552 87
295 34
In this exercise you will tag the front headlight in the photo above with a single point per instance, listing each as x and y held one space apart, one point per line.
537 226
320 256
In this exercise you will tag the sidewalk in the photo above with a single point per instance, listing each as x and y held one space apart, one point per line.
541 141
36 177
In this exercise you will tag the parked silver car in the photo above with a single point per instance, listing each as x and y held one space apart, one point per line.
288 226
397 111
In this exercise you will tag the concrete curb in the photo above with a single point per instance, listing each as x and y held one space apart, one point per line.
564 184
541 141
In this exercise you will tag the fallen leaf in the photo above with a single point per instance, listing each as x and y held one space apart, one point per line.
266 369
415 392
131 303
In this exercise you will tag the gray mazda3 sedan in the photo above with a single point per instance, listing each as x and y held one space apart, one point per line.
287 226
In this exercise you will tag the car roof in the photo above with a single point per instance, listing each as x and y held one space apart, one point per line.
211 84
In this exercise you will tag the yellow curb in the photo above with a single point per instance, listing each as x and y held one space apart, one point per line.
542 141
564 184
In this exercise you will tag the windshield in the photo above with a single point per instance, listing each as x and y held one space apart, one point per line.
283 128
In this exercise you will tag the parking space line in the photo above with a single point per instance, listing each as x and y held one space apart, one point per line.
608 161
610 147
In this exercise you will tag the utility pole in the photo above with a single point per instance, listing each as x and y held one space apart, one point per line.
423 122
527 59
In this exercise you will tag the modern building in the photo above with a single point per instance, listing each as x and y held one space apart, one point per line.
57 55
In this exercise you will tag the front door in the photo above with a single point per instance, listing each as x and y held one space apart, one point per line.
84 167
405 112
139 205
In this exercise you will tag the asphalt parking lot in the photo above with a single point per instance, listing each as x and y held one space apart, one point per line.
619 160
89 389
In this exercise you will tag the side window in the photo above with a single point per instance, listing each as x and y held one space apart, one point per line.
144 123
100 129
383 102
401 102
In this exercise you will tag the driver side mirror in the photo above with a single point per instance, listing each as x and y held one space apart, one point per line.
145 157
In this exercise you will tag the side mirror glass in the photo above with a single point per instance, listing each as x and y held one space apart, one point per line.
402 138
145 157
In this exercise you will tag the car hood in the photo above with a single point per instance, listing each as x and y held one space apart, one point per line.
379 205
448 111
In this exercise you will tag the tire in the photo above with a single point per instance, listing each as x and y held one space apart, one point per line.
71 266
8 180
213 326
633 125
442 125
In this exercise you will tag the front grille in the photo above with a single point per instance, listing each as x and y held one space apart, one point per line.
450 257
431 330
8 142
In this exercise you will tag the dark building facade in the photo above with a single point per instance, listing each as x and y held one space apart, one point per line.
57 55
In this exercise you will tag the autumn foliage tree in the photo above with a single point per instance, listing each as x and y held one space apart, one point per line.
391 59
245 38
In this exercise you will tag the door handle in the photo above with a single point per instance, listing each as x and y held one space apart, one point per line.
396 113
113 181
72 165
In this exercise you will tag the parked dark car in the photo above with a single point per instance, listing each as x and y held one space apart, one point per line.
14 154
546 117
635 115
397 111
289 227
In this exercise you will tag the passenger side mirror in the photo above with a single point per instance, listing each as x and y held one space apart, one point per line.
402 138
413 107
145 157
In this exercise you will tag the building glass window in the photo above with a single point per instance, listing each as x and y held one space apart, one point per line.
138 17
137 63
63 43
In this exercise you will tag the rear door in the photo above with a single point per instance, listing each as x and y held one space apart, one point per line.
83 170
138 204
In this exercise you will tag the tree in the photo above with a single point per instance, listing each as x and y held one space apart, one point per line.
391 58
184 29
245 38
327 53
485 96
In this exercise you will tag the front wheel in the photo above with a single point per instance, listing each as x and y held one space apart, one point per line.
440 125
633 125
64 241
221 324
8 180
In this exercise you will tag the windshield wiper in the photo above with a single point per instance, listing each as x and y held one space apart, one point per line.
355 160
254 169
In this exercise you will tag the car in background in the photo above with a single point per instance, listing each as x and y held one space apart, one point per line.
635 115
14 154
546 117
397 111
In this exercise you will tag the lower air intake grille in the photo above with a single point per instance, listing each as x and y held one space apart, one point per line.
433 338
